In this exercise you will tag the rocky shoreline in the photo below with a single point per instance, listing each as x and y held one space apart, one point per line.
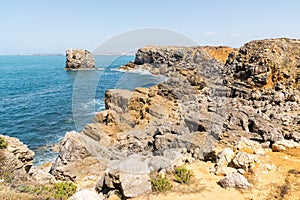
230 107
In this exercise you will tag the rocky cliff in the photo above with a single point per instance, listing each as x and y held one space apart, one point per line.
214 97
79 59
15 159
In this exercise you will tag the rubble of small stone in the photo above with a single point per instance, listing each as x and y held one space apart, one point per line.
230 112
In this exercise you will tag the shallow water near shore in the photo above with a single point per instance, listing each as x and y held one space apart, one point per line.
36 97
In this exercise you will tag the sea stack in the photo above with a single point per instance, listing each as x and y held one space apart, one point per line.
79 59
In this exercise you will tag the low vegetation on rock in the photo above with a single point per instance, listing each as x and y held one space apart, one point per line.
160 183
57 191
3 143
182 174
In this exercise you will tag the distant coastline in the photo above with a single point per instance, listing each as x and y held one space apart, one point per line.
35 54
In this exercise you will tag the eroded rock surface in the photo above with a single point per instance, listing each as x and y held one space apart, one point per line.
248 104
234 180
79 59
16 159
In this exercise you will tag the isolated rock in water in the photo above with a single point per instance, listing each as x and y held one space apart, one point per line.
234 180
79 59
17 158
86 194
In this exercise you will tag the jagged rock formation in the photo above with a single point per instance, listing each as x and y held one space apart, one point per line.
16 159
79 59
265 75
255 95
272 64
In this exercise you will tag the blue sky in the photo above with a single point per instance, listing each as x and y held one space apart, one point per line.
35 26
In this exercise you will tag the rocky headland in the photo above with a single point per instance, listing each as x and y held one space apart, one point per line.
233 114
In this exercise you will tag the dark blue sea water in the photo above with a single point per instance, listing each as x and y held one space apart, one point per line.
37 101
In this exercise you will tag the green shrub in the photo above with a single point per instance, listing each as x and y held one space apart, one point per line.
3 143
182 174
60 190
25 188
160 183
64 190
6 170
7 176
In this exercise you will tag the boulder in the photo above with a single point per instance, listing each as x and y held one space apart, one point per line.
296 136
249 146
131 176
225 157
283 145
86 194
243 160
224 171
127 183
41 175
234 180
95 132
81 159
135 184
79 59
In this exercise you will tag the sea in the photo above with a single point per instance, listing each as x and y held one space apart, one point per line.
40 101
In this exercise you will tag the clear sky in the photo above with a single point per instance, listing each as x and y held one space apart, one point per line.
40 26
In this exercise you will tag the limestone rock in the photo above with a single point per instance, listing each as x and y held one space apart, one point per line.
253 97
41 176
225 157
79 59
130 175
135 184
129 184
249 146
95 132
80 157
283 145
86 194
220 53
158 111
17 158
296 136
234 180
263 63
243 160
224 171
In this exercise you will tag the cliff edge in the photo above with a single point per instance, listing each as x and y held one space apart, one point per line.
215 97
